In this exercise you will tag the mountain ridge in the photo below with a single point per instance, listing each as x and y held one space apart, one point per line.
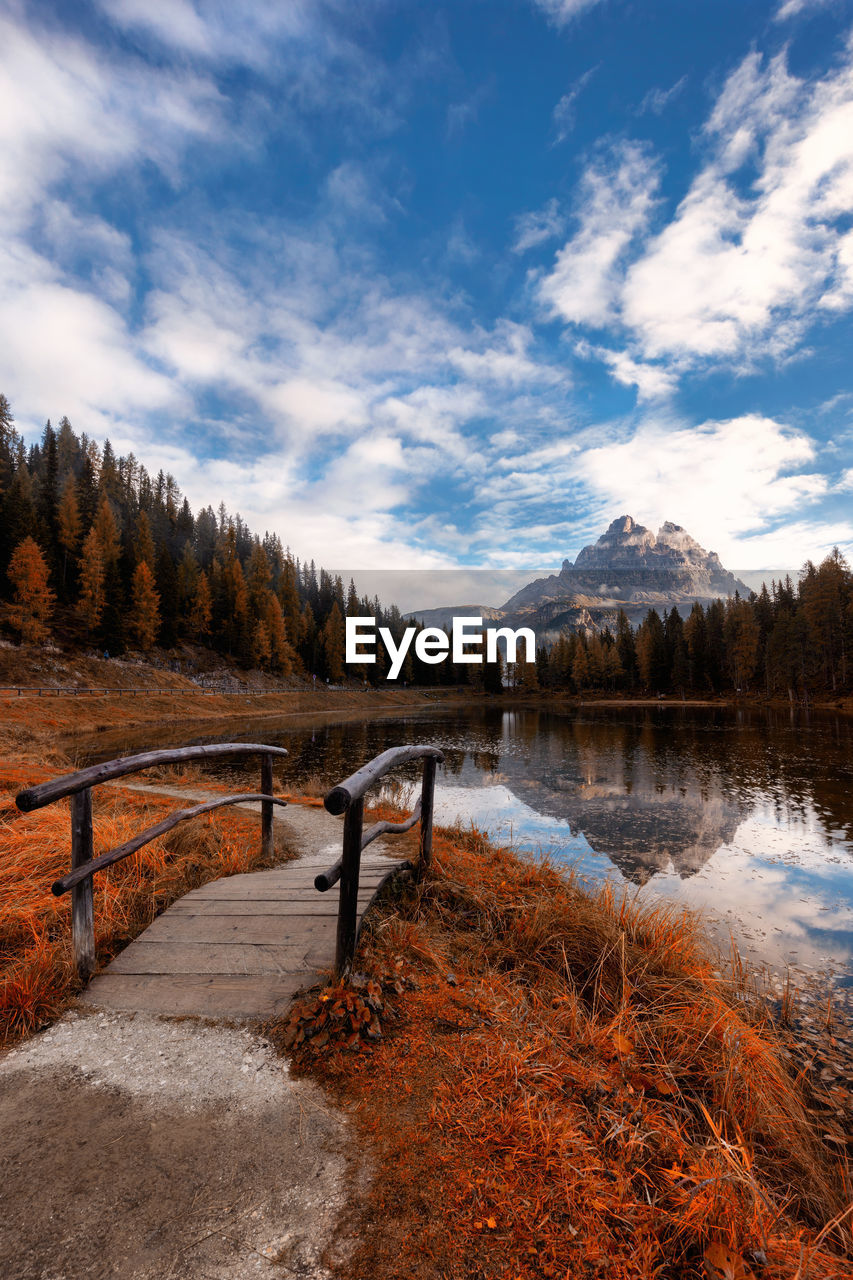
629 567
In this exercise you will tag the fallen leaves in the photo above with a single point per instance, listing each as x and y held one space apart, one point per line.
722 1263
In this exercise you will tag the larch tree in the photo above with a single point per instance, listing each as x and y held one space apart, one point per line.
108 534
92 598
33 599
145 612
143 542
281 653
261 648
201 609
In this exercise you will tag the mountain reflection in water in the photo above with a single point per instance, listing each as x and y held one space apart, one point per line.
742 812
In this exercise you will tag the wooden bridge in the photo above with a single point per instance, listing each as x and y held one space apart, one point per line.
242 946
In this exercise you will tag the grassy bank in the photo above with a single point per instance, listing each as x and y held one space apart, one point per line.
36 970
567 1088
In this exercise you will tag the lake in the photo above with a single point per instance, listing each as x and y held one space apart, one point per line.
743 813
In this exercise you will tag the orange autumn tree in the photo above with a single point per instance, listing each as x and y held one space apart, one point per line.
92 599
145 614
201 610
33 599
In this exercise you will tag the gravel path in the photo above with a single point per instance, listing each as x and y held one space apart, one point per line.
138 1146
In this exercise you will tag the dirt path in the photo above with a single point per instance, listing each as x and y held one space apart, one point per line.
140 1146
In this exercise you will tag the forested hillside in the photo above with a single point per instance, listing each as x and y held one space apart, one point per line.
789 641
96 552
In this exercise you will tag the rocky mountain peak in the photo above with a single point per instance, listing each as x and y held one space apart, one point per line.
633 568
624 524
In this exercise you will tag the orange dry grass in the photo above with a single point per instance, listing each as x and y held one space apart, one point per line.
570 1092
36 969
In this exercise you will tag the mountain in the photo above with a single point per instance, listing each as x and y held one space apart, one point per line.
632 568
443 616
629 568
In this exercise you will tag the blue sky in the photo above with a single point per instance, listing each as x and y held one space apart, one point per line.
421 284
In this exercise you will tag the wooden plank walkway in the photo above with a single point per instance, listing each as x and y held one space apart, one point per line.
244 946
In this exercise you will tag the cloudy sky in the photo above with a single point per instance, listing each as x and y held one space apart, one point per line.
420 284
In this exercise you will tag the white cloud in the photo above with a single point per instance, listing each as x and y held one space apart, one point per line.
653 382
657 100
617 197
532 229
350 191
790 8
502 357
564 113
66 112
56 336
737 272
563 11
728 482
208 29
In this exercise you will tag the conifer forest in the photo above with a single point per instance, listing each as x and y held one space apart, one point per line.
97 553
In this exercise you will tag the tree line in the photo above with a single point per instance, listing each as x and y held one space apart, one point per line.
787 641
96 552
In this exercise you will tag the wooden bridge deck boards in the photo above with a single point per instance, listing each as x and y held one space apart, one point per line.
241 947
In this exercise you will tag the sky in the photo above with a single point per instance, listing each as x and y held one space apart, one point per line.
421 285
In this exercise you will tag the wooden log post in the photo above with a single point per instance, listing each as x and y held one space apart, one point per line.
348 903
82 899
427 795
266 808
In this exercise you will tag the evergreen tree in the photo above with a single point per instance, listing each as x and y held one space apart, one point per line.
333 644
69 526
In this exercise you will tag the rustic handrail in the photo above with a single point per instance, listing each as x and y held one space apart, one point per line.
58 788
151 833
348 798
83 863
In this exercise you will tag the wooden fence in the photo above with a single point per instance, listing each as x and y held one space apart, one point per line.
348 798
84 865
58 691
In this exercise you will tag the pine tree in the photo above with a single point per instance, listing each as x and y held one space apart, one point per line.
68 524
19 513
145 613
741 641
7 444
33 599
166 582
48 489
258 579
334 644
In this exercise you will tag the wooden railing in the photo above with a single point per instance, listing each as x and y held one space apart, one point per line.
83 864
73 691
348 798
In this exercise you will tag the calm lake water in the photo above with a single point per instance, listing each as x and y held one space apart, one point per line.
743 813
